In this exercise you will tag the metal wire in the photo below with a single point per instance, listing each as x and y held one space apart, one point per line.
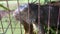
28 16
9 16
1 22
58 21
49 19
19 16
39 32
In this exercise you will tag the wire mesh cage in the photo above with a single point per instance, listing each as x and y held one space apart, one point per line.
30 17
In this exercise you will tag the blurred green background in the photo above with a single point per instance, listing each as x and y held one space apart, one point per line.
13 3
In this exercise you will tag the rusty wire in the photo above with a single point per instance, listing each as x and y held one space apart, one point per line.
39 32
28 16
49 19
19 15
1 22
9 16
58 21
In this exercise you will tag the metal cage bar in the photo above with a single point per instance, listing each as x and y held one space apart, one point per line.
1 22
49 19
58 21
19 15
28 16
9 17
39 32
